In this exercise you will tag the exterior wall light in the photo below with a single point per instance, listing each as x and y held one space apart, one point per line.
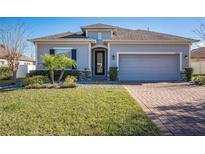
186 57
113 57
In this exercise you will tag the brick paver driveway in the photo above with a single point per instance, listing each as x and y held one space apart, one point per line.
176 108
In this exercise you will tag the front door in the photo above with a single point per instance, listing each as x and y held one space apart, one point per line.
99 62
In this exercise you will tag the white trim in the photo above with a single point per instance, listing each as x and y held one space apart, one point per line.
62 48
189 56
64 40
99 29
99 46
148 42
108 56
180 61
36 55
89 56
63 43
154 53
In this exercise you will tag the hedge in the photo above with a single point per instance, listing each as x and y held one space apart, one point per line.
38 79
57 73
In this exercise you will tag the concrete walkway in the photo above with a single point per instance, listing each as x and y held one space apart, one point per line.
176 108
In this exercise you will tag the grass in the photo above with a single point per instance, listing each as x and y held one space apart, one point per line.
80 111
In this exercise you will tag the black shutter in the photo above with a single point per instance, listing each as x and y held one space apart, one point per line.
73 56
52 52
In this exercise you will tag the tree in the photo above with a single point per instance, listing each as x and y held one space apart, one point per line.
64 62
50 63
200 32
13 37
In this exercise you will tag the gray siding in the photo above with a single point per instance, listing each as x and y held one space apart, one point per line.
82 53
94 35
114 48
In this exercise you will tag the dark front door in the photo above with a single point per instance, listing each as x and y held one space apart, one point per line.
99 62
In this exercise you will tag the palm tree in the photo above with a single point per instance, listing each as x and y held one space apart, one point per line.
64 62
50 62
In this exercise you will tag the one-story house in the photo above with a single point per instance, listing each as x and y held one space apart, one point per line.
198 60
138 54
26 64
24 60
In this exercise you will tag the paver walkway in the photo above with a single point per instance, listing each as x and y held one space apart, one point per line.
176 108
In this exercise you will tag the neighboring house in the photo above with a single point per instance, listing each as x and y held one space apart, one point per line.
25 63
138 54
24 60
198 60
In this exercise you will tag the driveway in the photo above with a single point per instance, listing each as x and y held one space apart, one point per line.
176 108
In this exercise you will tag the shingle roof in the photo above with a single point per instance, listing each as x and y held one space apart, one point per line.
65 35
198 53
128 34
23 57
119 34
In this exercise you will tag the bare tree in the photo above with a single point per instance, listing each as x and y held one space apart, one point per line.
13 37
200 32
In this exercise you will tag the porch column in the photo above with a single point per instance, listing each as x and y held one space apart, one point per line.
89 56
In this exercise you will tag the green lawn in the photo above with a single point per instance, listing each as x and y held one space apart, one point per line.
80 111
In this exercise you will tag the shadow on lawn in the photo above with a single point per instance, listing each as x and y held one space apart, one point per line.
183 118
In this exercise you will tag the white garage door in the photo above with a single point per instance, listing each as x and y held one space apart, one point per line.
149 67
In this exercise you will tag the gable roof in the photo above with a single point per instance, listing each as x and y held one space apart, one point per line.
64 36
128 34
119 34
98 25
198 53
22 58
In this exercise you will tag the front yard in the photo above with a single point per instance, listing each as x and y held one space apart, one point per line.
80 111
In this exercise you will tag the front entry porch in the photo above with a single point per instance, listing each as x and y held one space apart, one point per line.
99 63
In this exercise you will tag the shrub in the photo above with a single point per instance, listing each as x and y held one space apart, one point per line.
86 73
188 73
70 82
70 85
5 73
39 79
57 73
113 73
200 79
70 79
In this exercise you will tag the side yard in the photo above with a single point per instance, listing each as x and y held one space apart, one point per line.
79 111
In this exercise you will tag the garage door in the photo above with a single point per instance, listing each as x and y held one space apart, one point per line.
148 67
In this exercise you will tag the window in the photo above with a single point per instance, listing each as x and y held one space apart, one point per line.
66 52
99 36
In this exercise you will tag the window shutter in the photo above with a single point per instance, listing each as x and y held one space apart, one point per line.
52 52
73 56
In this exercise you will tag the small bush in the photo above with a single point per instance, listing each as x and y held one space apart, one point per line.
70 79
5 73
39 79
113 73
56 73
188 73
199 79
70 85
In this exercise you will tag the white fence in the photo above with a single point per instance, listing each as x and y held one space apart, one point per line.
24 69
198 66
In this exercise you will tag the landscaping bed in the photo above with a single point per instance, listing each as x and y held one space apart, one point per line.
79 111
